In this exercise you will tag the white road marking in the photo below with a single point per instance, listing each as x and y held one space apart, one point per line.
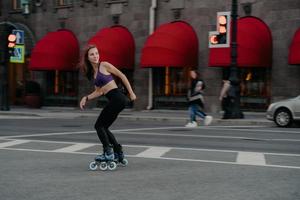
20 117
152 128
74 147
154 152
12 143
46 134
215 150
243 158
251 158
253 130
150 146
161 158
223 162
127 131
209 136
223 128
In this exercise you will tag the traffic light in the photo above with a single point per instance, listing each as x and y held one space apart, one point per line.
11 40
11 43
221 37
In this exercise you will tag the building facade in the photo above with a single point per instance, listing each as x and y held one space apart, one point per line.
159 74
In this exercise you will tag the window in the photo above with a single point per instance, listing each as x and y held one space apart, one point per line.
255 88
61 88
16 4
116 1
64 2
170 86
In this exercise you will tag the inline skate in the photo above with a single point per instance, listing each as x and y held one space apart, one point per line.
119 156
104 161
120 159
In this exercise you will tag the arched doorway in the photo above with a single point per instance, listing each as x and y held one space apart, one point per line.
254 51
14 75
171 51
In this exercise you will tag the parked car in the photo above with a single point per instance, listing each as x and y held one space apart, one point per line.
284 113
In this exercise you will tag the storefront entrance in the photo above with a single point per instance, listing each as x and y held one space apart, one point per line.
61 88
18 75
170 87
255 88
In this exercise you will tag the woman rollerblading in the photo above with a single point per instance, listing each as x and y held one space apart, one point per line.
102 73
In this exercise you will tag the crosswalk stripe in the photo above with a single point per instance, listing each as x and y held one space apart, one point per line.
74 147
12 143
251 158
162 158
154 152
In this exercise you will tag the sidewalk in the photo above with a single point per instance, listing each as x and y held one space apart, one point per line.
179 116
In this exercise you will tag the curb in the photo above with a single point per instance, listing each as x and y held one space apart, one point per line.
216 121
136 116
9 113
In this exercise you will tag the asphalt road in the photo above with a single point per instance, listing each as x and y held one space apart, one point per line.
48 159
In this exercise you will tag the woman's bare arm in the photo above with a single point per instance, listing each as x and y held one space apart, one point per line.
113 70
96 93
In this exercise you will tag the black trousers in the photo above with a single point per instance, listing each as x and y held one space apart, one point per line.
117 102
227 106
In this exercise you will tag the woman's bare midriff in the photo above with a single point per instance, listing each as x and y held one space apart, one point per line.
109 86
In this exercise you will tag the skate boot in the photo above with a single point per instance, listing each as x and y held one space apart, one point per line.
120 159
104 161
119 156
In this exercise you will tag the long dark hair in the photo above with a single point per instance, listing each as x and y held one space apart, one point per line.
84 64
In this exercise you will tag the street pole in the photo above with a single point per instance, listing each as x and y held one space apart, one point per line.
234 79
4 91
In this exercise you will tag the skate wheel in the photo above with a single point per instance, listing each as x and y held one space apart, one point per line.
124 162
112 166
103 166
93 166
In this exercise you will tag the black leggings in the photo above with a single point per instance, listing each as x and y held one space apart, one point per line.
117 102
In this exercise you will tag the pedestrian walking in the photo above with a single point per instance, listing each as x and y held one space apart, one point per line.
196 101
102 74
226 99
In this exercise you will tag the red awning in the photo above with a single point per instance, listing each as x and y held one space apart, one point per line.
173 44
56 51
116 46
294 52
254 46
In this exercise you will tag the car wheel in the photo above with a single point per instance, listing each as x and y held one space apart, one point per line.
283 117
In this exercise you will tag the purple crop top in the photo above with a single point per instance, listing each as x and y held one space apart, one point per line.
102 79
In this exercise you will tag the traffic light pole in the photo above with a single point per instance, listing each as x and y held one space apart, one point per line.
234 79
4 91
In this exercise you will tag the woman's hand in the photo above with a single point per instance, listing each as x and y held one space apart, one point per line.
132 97
82 103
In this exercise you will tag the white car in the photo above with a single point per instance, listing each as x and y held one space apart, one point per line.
285 112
